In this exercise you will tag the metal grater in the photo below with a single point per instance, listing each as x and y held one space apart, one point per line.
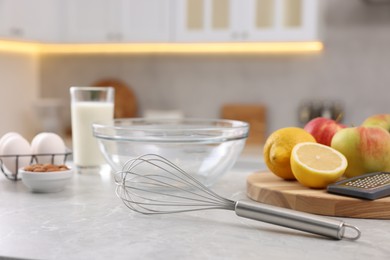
368 186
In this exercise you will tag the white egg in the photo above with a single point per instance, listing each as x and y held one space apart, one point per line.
44 145
17 147
7 135
2 140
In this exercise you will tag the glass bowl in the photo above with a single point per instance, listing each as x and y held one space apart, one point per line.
204 148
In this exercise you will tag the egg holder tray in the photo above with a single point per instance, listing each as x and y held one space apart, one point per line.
13 176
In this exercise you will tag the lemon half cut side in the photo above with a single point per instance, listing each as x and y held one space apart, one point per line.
315 165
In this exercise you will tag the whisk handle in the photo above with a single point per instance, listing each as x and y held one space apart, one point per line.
294 219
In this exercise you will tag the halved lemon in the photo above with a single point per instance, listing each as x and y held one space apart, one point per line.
315 165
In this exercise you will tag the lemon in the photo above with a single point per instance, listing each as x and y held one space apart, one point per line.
278 147
316 165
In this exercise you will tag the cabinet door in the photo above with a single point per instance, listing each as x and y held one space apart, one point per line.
302 22
30 20
205 20
146 20
246 20
93 21
282 20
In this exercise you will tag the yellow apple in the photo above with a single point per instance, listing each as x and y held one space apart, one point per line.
381 120
367 149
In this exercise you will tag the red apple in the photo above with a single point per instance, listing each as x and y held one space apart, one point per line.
367 149
323 129
381 120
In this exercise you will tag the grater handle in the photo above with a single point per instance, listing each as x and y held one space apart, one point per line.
297 220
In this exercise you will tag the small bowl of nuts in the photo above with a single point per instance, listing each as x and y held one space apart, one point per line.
45 178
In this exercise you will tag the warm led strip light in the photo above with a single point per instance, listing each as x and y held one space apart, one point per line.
13 46
163 48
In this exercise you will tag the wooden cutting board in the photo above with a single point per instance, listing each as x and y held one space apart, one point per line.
267 188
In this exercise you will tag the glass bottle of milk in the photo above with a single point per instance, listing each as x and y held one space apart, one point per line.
89 105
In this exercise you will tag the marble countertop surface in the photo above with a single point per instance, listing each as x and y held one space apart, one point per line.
88 221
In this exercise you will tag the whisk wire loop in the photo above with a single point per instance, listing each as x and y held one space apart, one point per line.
175 171
160 184
147 192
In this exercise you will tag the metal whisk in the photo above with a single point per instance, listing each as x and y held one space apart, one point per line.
151 184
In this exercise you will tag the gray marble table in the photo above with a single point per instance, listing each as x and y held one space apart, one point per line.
88 221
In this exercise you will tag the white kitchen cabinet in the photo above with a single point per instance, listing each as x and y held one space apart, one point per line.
246 20
92 21
37 20
117 21
146 20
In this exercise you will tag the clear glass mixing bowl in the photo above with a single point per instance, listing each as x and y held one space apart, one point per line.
205 148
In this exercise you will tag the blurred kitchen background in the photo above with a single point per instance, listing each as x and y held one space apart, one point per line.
348 76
